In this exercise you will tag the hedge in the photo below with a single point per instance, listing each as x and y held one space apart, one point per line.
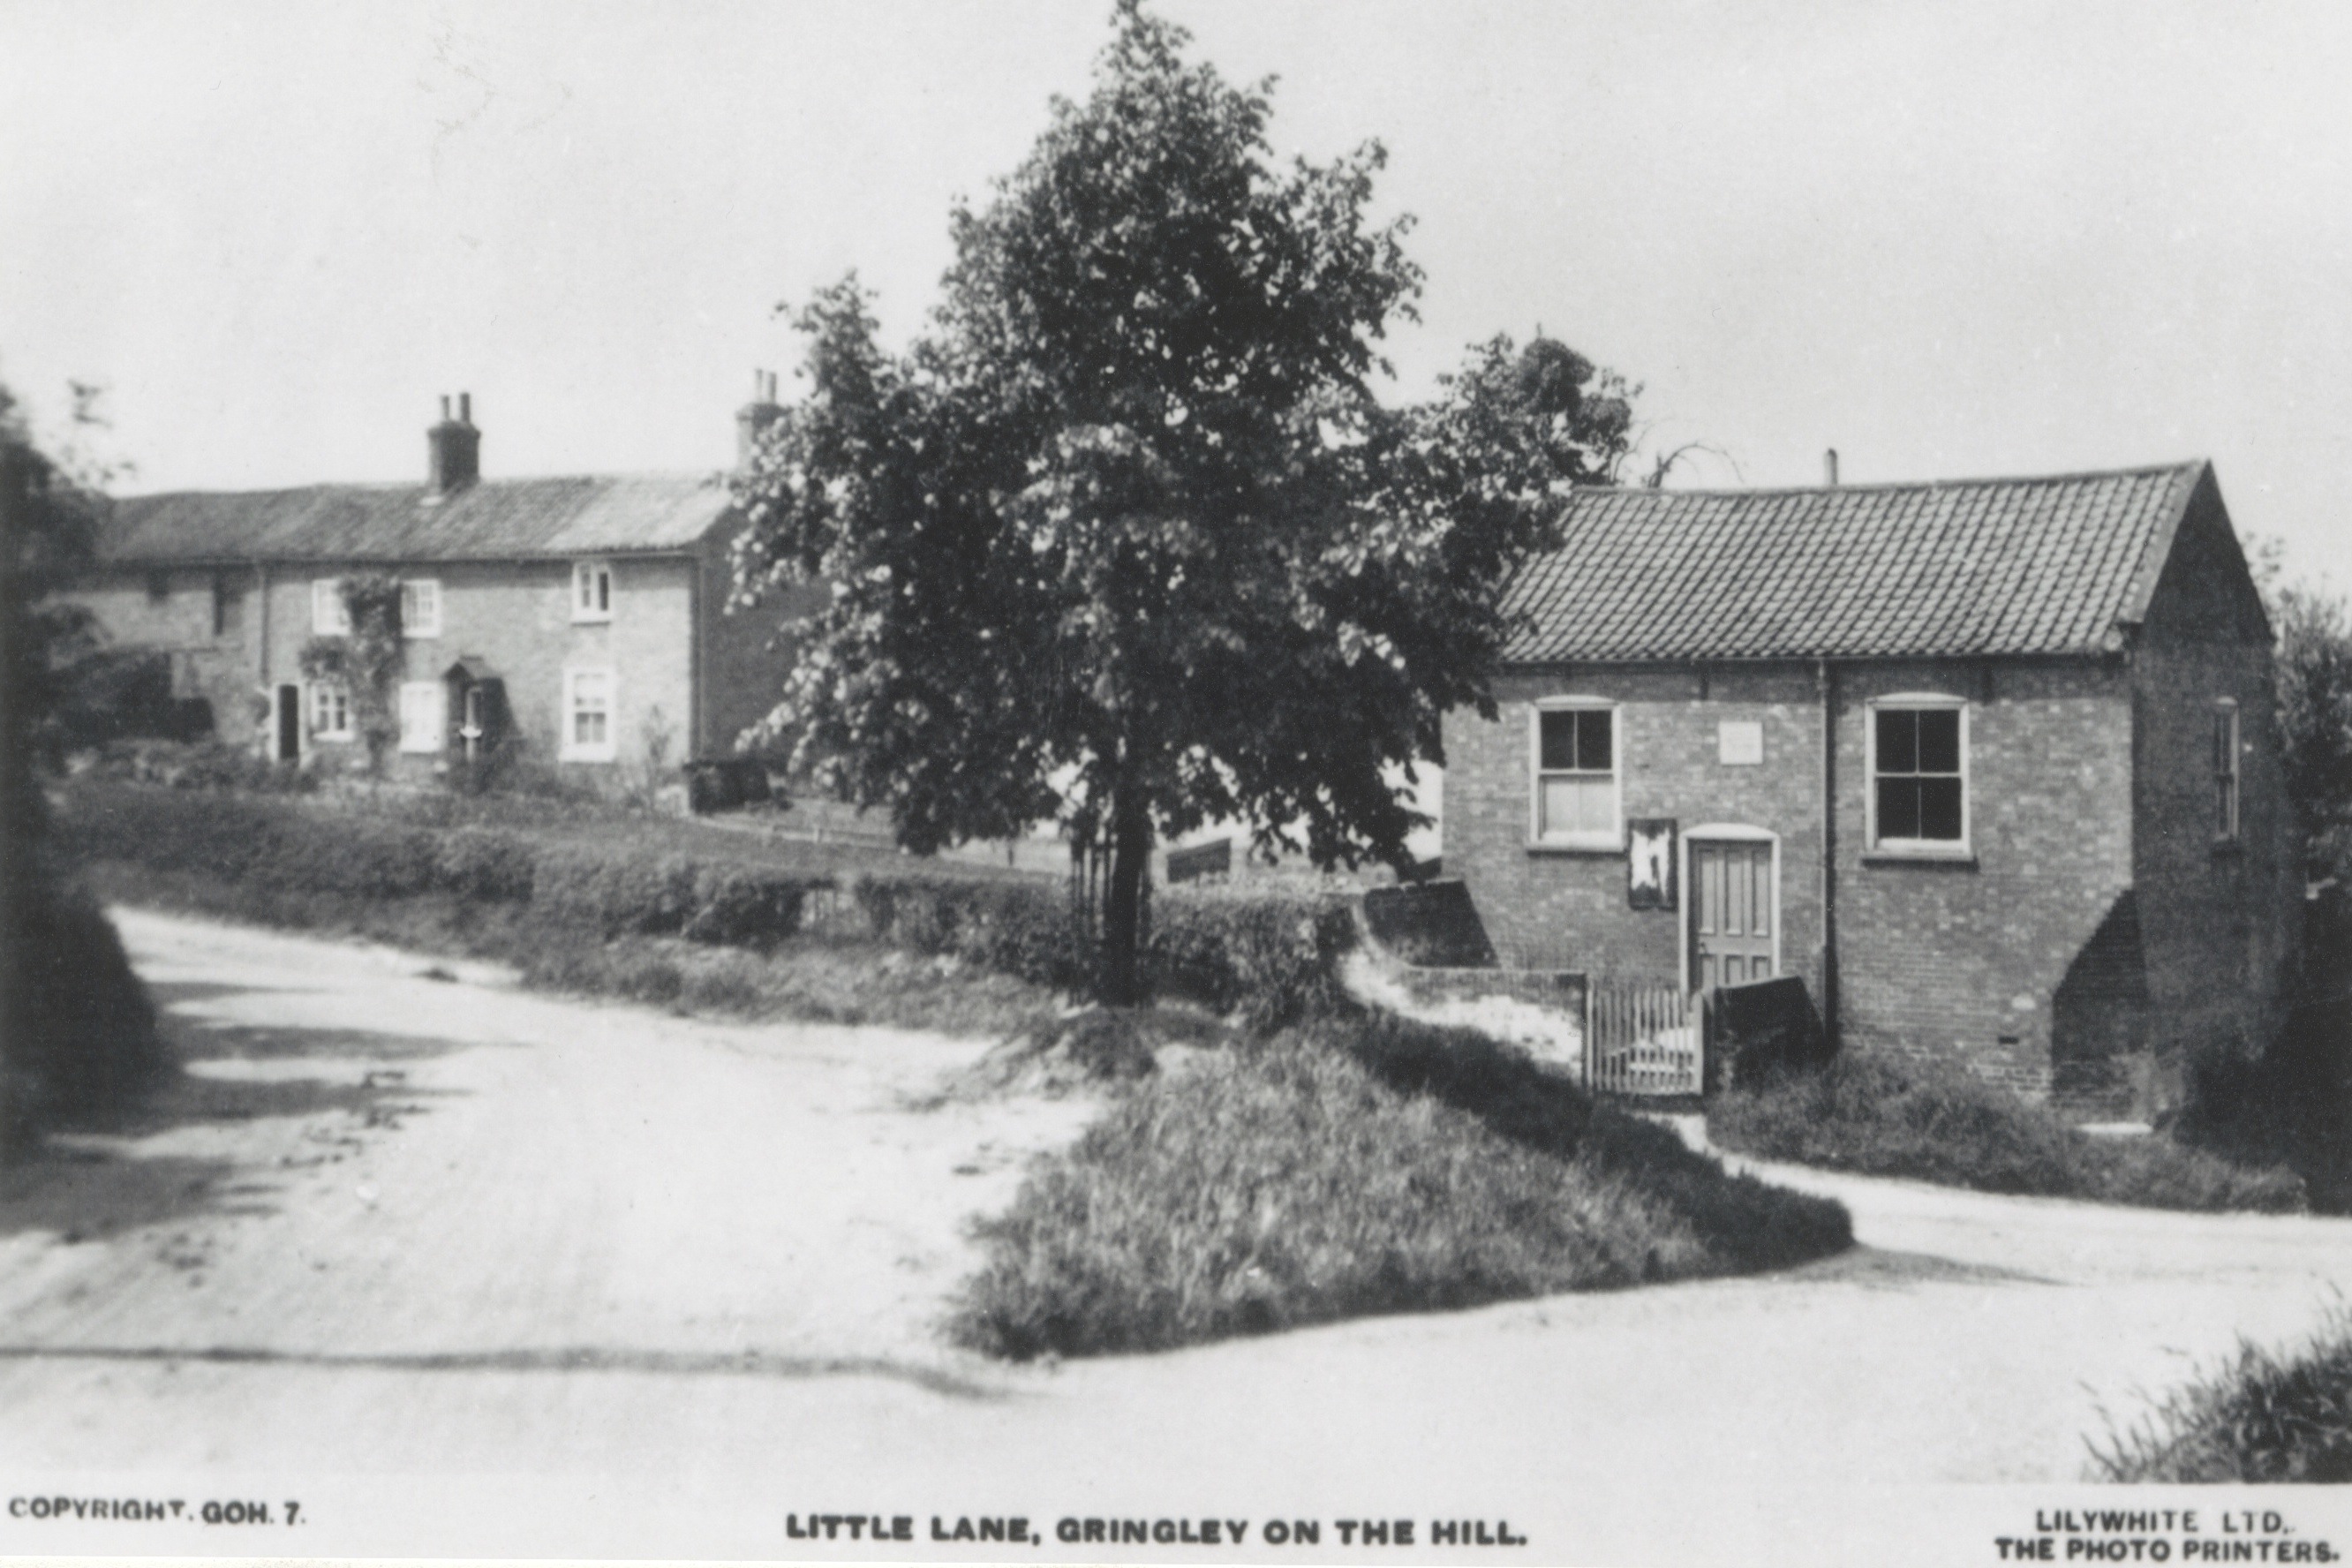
1272 957
612 889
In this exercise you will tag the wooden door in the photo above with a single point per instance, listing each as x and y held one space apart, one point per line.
1733 912
289 723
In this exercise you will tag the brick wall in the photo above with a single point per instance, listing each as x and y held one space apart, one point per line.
1955 960
1568 908
743 661
2216 914
179 622
1962 959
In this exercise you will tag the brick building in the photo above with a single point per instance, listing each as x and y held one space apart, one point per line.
572 622
1992 765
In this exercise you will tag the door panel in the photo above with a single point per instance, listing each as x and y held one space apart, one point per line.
1733 913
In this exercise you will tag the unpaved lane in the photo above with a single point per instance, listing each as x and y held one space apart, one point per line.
369 1161
597 1242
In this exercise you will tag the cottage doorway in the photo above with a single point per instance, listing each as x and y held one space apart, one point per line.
1735 912
289 739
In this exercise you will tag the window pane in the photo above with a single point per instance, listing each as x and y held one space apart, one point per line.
1940 809
1939 740
1593 739
1898 742
1898 807
1596 804
1559 805
605 592
1557 749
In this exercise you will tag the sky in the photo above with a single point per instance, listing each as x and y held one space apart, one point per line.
1947 239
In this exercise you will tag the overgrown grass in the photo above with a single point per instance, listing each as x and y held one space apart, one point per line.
1360 1166
1881 1116
2260 1416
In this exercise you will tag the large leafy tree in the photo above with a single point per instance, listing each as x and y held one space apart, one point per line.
1125 538
77 1032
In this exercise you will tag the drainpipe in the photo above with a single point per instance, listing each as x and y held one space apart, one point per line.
1825 678
261 673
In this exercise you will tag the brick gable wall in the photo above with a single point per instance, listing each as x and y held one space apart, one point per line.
2218 918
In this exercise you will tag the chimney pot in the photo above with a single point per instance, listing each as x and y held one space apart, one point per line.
1829 467
453 449
754 418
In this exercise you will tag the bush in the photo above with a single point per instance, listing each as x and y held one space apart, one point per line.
1872 1114
614 890
1025 929
1348 1170
486 866
1273 957
208 764
745 906
77 1032
2259 1417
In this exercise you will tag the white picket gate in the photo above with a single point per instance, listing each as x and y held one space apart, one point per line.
1644 1040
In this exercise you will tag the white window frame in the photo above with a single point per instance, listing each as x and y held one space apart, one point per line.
1610 840
572 750
592 591
329 616
1960 848
425 593
324 698
2229 770
420 738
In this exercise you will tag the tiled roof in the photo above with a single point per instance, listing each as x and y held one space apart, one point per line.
1972 566
492 519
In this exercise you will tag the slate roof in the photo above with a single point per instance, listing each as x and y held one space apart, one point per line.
1973 566
493 519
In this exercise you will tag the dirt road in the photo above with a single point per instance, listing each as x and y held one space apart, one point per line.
397 1225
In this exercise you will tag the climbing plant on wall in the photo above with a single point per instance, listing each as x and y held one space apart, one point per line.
366 661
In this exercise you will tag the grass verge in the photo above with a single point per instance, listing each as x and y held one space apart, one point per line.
1883 1118
1357 1165
2262 1416
816 979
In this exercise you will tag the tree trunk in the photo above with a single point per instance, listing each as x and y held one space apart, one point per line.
1122 973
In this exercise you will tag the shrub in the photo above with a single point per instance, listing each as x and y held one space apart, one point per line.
77 1032
1309 1178
1025 929
1271 956
1872 1114
210 765
745 906
486 866
614 890
2262 1416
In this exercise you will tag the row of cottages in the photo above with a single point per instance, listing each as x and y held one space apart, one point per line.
575 623
1992 765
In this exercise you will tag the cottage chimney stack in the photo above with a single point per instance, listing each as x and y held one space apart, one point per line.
754 418
1829 467
453 449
